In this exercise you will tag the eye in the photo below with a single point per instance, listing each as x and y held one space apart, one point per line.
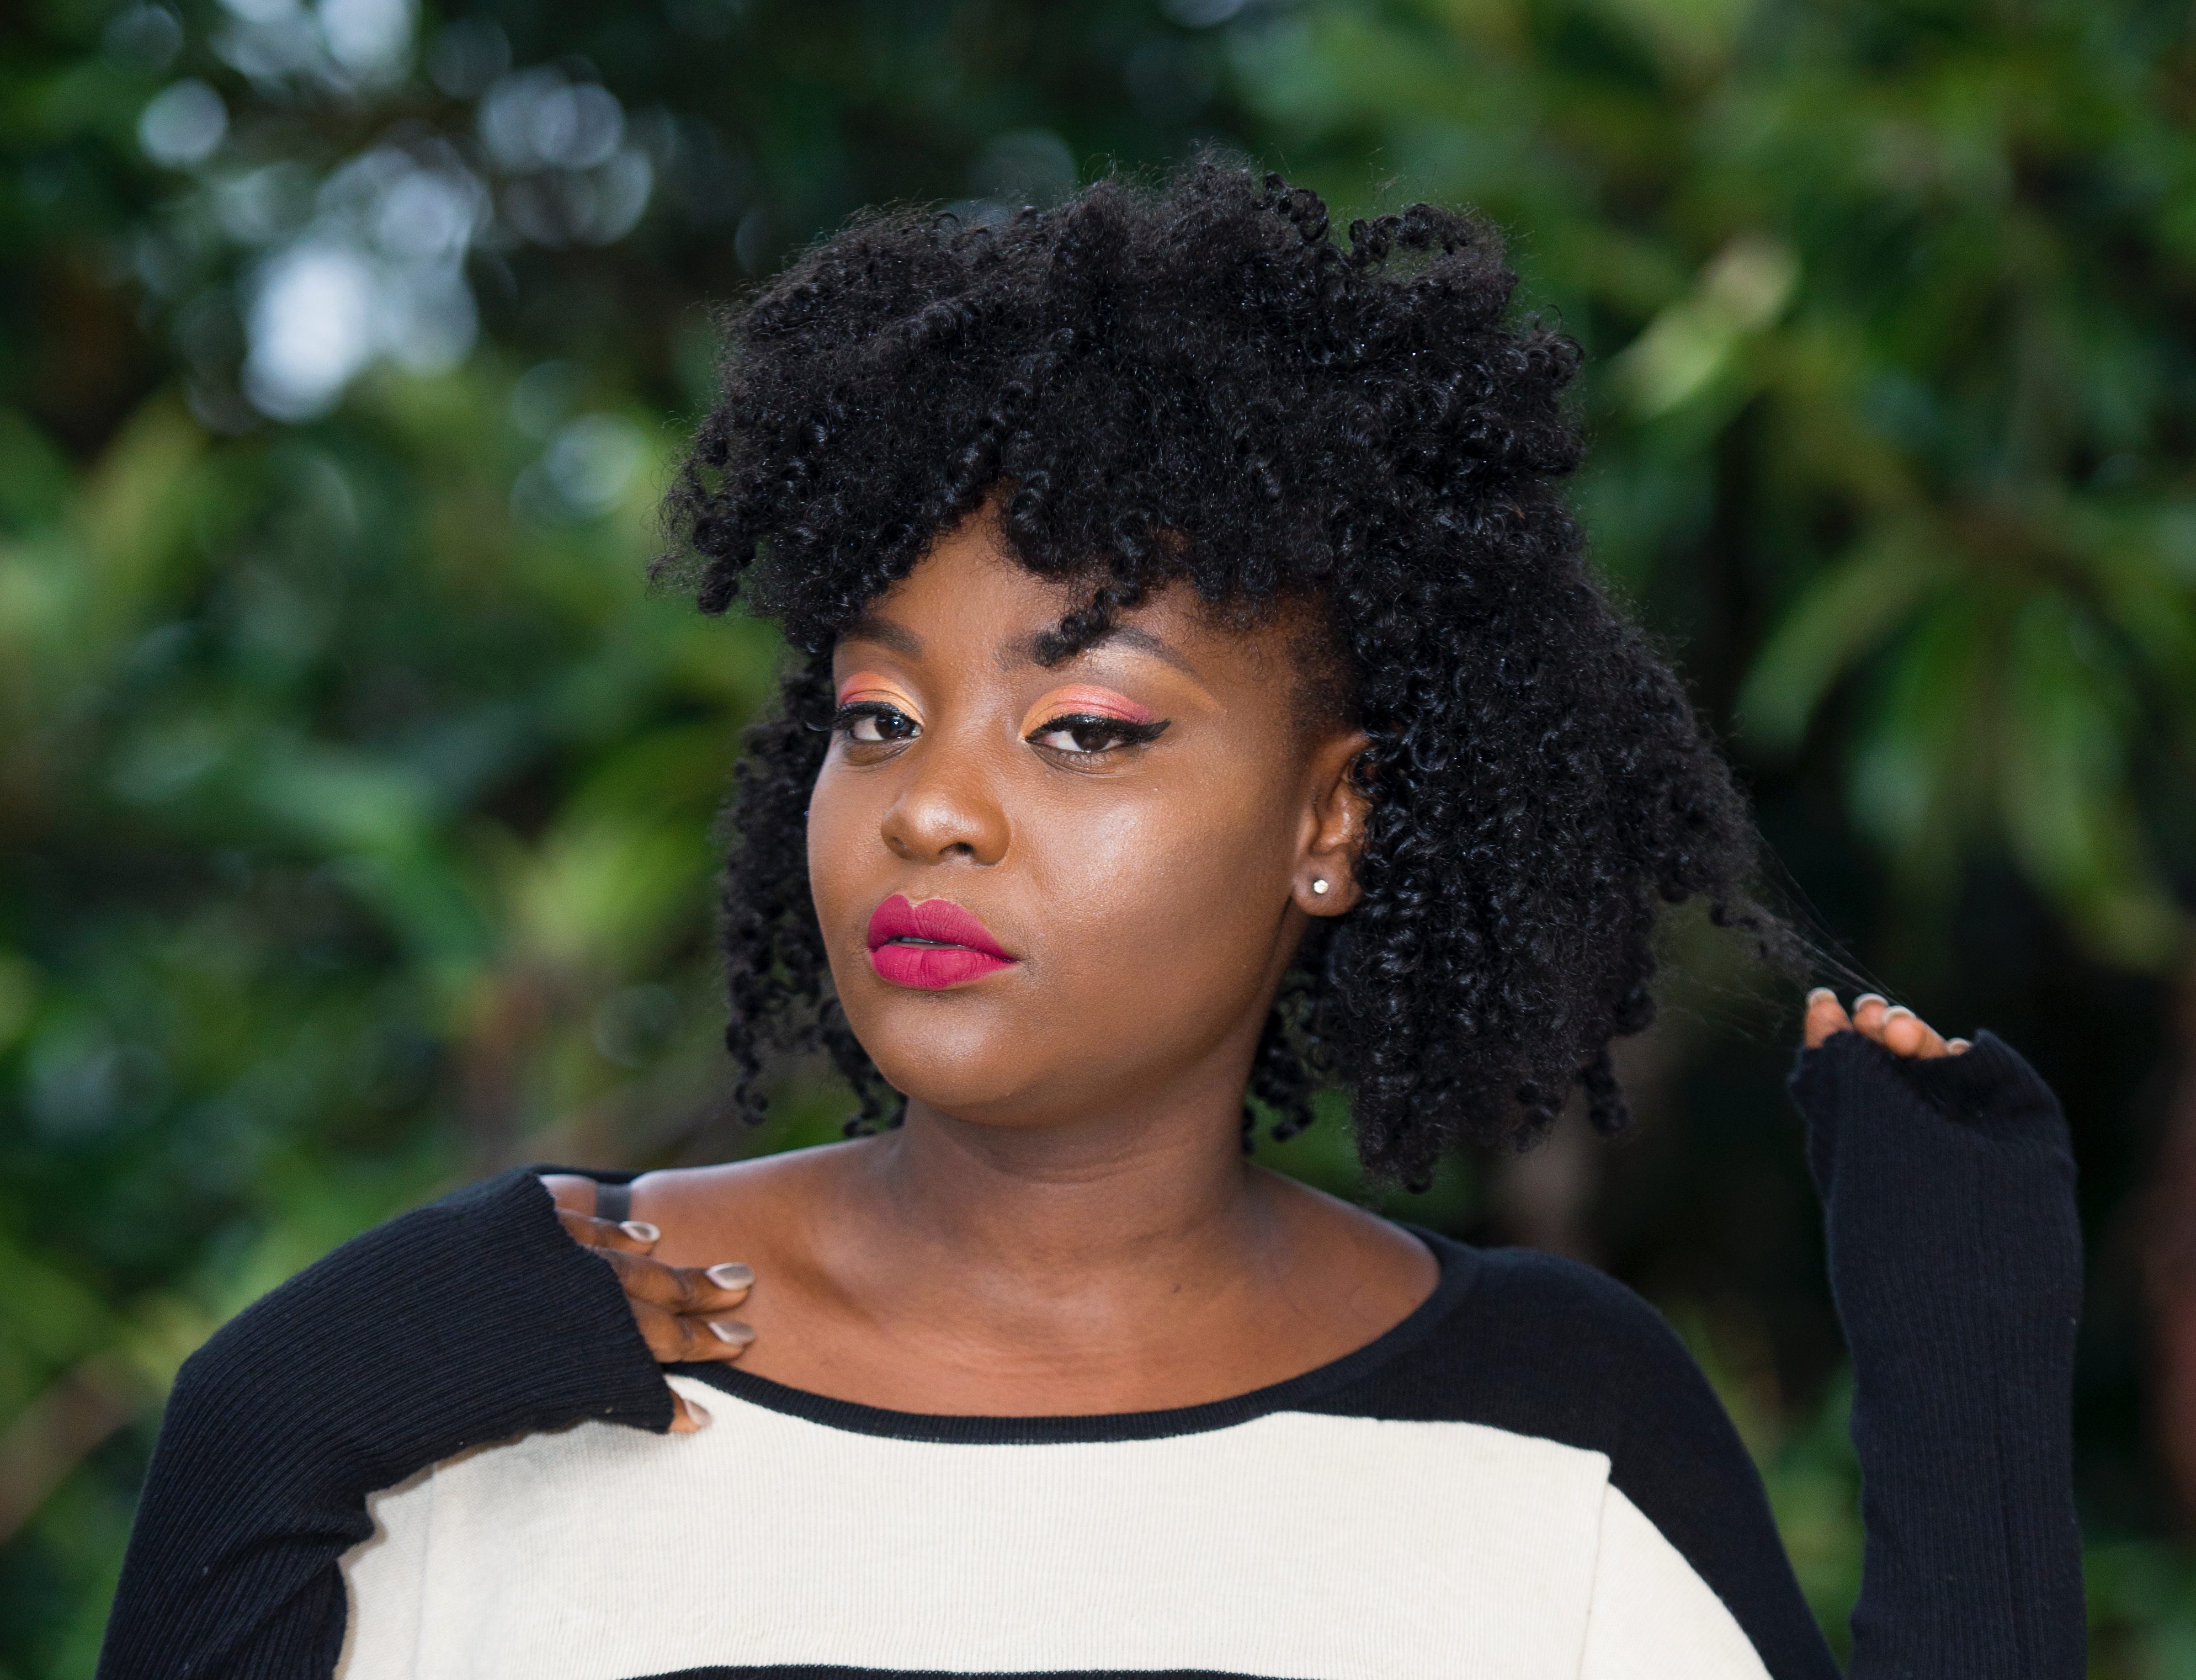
873 723
1080 734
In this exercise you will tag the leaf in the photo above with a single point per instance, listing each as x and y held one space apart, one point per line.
1687 347
1841 616
2063 792
1906 781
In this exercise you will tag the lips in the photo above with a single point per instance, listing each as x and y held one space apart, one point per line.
932 945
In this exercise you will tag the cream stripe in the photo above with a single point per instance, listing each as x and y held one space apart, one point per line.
1654 1618
1296 1545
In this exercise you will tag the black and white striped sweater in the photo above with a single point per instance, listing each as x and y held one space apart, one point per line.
376 1474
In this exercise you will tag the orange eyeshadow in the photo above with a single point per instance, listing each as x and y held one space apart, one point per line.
867 685
1090 701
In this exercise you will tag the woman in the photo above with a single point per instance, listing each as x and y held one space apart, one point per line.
1197 694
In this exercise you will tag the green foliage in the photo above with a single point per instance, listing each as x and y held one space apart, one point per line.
1891 306
355 792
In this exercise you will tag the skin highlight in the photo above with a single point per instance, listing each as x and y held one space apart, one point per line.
1065 1223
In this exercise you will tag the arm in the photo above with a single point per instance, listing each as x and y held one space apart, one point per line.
469 1320
1955 1258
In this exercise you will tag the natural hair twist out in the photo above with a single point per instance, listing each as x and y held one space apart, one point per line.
1196 382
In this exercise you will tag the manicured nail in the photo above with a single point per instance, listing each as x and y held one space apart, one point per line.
640 1230
1958 1046
699 1413
1819 993
731 1274
1868 997
1898 1009
731 1331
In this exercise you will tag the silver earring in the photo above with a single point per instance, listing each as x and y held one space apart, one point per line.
1319 885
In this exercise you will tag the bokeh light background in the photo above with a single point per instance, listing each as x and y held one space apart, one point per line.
355 795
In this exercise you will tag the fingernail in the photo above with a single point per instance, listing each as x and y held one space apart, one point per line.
640 1230
1867 997
1898 1009
731 1331
1957 1046
1820 993
731 1274
698 1412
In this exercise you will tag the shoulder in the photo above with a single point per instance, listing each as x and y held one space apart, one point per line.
1540 1345
409 1272
1545 1348
762 1211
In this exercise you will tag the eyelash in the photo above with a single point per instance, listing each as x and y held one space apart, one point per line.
1125 733
847 716
1076 724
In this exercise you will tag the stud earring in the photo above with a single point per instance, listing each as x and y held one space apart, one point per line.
1319 885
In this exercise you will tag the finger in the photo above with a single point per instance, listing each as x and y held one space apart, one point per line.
1868 1013
1907 1034
1825 1015
681 1289
677 1338
687 1415
570 1190
632 1236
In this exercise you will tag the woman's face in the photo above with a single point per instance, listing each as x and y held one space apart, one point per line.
1050 891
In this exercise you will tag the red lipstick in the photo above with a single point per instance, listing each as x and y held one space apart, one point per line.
931 945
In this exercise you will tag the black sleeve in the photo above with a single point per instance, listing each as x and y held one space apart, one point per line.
473 1319
1956 1261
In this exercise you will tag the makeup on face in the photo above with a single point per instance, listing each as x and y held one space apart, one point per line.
869 685
1086 700
931 944
873 711
1089 724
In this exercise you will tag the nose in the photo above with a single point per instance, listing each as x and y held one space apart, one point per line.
949 808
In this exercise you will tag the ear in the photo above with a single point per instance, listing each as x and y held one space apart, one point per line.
1333 828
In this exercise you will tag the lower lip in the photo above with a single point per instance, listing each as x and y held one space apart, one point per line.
933 968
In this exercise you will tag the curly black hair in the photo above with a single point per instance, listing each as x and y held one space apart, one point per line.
1195 381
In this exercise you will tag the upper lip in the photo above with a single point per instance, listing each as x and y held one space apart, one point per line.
940 920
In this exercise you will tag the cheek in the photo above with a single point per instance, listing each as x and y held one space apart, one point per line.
1173 896
1147 914
843 849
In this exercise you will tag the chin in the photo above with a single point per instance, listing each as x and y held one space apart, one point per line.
946 1056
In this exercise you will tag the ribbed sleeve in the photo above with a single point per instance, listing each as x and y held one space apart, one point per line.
473 1319
1956 1261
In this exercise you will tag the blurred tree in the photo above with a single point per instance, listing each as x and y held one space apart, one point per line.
1889 312
354 795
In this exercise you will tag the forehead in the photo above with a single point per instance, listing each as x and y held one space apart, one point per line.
970 596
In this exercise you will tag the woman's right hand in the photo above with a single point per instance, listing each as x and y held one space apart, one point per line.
683 1312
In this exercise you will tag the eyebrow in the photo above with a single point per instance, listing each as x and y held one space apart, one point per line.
898 639
885 633
1025 652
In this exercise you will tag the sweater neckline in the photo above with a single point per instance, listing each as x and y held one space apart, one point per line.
1458 1265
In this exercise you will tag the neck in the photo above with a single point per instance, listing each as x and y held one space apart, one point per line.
1067 1232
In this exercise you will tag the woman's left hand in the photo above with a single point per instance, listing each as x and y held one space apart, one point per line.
1894 1026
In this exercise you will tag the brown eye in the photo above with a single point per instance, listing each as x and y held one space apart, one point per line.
1087 733
871 723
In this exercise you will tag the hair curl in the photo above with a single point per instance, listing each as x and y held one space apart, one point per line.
1196 382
